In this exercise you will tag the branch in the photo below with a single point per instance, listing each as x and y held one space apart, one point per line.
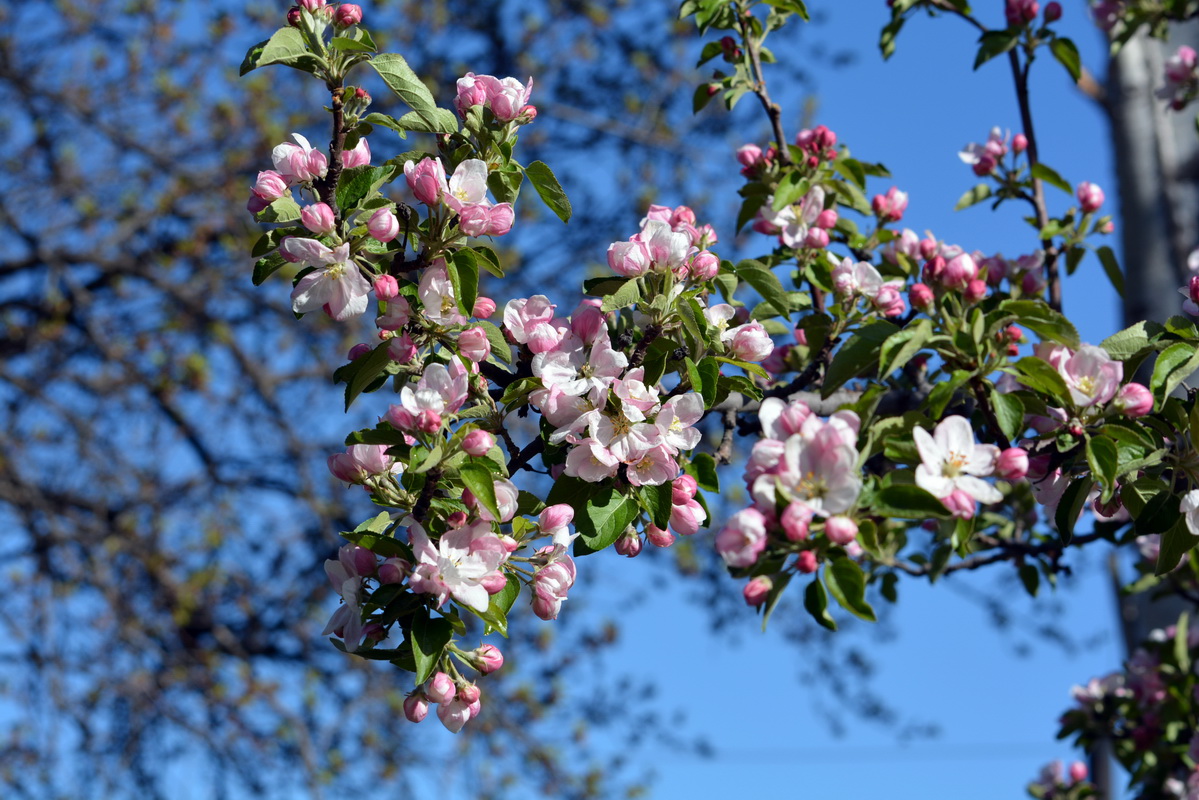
772 109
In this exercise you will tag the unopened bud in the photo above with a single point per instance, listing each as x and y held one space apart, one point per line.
484 307
347 14
1012 464
1019 143
840 529
629 544
757 590
386 287
1053 12
359 350
1134 400
658 537
478 443
489 658
416 707
806 562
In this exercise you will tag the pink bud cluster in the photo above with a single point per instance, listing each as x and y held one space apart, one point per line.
669 241
507 98
465 193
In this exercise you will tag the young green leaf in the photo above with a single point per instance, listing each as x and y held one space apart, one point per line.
549 190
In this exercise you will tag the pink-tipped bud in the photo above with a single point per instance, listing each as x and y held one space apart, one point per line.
394 570
985 165
489 659
933 269
959 271
1134 400
1053 12
468 693
347 14
704 266
478 443
928 248
795 521
401 349
757 590
749 155
1090 197
816 239
806 562
416 707
293 16
317 218
484 307
975 290
440 688
312 5
1078 770
1033 282
429 421
629 544
387 287
682 489
658 537
494 583
555 517
826 219
459 518
474 344
383 225
1019 143
359 350
921 296
959 503
1012 464
840 529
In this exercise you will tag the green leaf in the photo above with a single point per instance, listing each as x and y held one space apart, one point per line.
1038 375
1103 458
857 355
429 638
703 469
908 501
281 209
499 345
480 479
1010 413
285 47
1182 646
815 601
1176 543
435 120
498 606
1173 366
463 271
994 43
778 585
657 501
548 189
351 45
1030 578
400 78
767 284
1037 316
1131 341
1114 274
847 584
976 195
267 266
709 372
1070 507
362 372
1067 55
604 518
356 184
899 348
628 294
505 184
791 188
1051 177
944 391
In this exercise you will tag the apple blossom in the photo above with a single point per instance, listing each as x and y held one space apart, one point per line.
743 538
952 461
336 285
360 154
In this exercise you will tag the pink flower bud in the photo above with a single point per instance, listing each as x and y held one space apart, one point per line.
795 520
757 590
959 272
826 219
312 5
1032 282
806 562
816 239
401 349
921 296
1078 770
357 156
318 218
394 570
1053 12
749 155
683 488
484 307
704 266
1020 141
478 442
429 421
440 688
975 290
1090 197
468 693
934 269
840 529
386 287
359 350
293 16
474 344
587 321
347 14
555 517
270 185
416 707
489 659
426 179
891 206
959 503
1134 400
658 537
985 165
629 544
458 518
1012 464
383 225
499 220
928 248
494 583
